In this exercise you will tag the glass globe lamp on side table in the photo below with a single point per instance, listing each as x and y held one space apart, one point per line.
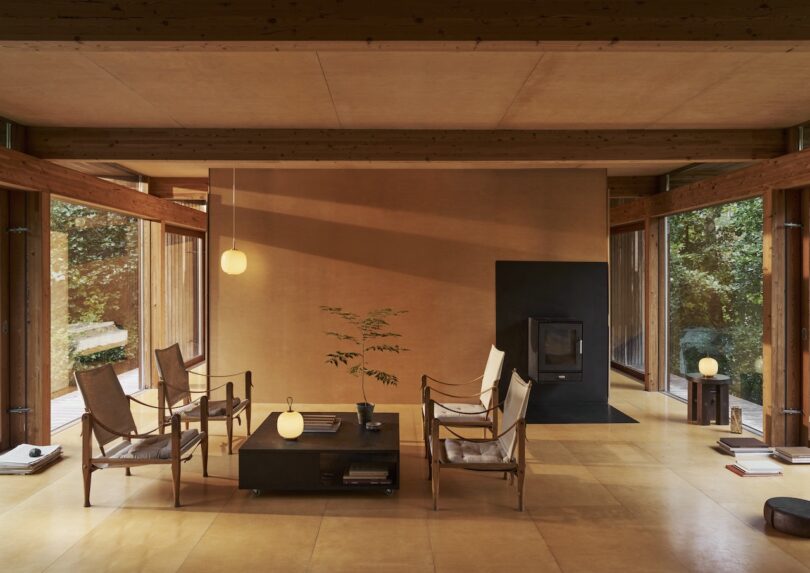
290 424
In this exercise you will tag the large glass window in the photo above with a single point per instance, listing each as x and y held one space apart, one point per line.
715 299
184 293
95 301
627 299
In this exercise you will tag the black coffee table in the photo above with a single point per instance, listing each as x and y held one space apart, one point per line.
318 461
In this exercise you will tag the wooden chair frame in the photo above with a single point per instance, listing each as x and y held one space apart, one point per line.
428 408
91 463
231 413
515 468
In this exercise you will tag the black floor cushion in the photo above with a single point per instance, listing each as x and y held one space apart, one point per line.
789 515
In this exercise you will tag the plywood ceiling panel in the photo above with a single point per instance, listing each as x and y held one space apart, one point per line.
405 90
60 88
425 89
607 90
769 88
265 89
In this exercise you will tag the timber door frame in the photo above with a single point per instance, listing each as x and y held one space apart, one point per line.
5 382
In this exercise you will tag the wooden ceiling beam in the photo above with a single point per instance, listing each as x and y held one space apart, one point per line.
121 144
787 172
21 171
633 187
179 188
570 23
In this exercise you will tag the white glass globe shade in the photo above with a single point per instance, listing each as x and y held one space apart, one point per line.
708 367
290 425
233 262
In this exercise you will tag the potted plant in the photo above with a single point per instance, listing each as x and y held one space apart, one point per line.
369 334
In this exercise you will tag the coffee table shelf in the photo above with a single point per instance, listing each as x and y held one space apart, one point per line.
317 462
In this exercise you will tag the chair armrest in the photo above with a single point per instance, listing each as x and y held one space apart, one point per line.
433 403
134 399
427 377
245 372
475 395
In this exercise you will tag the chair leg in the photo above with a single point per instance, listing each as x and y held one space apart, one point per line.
129 472
520 479
205 455
87 472
247 417
176 480
435 483
87 454
229 428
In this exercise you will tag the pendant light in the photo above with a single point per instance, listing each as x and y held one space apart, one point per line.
233 261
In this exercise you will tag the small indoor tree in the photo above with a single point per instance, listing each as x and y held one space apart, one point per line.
366 335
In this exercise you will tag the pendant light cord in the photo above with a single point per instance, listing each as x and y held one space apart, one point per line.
233 211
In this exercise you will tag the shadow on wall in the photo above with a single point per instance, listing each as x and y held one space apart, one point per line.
457 247
444 260
463 195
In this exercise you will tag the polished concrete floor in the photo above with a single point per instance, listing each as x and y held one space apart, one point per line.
652 496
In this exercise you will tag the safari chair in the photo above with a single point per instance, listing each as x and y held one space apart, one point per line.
175 393
109 418
497 454
482 413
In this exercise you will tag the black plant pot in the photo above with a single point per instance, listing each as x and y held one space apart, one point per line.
365 411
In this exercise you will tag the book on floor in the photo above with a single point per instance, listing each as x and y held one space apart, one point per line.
18 461
754 465
743 445
793 455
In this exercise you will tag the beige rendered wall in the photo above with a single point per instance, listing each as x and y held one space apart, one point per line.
421 240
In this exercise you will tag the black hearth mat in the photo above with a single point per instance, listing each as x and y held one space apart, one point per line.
585 413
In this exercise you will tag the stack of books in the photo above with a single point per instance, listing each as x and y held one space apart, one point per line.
328 423
367 474
19 461
735 446
797 455
755 465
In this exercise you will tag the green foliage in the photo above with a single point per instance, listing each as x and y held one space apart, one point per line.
715 292
366 336
102 267
89 361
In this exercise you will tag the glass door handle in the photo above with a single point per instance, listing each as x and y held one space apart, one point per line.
580 346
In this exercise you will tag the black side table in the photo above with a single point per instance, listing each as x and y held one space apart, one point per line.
707 394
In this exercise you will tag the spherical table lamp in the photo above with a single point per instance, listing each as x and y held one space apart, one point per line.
290 424
708 367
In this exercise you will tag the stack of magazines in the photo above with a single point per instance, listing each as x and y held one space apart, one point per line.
328 423
743 446
367 474
19 461
754 465
794 455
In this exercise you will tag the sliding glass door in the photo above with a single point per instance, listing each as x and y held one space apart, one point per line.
95 301
715 299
